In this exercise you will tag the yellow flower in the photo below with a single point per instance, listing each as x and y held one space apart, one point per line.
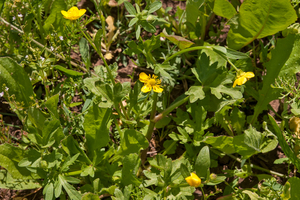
242 77
150 83
73 13
193 180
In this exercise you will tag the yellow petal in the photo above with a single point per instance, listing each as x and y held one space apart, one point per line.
143 77
81 12
64 13
249 75
193 180
73 9
146 89
157 88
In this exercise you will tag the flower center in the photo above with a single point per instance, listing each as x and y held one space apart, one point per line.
152 82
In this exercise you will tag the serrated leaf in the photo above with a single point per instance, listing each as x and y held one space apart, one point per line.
258 19
223 143
195 93
71 191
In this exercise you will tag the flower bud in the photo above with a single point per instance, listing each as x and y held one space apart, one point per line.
213 176
193 180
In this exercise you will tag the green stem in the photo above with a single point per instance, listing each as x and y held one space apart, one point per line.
74 173
203 28
152 122
187 50
170 108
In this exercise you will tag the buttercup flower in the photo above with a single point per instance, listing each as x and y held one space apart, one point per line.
150 83
193 180
73 13
242 78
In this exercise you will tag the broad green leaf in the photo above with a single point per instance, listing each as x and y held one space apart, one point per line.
242 148
221 89
184 170
283 53
252 195
258 19
129 7
98 38
90 196
132 142
36 117
68 71
88 170
181 42
71 191
95 126
195 93
131 165
84 50
224 9
253 138
51 105
55 19
148 27
294 192
192 10
51 129
16 81
10 156
202 163
223 143
154 6
8 182
284 145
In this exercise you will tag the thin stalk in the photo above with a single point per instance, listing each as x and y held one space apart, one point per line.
203 28
43 46
187 50
170 108
74 173
152 122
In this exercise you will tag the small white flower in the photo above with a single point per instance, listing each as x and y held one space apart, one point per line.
26 56
162 39
61 38
20 15
6 88
42 58
75 85
1 94
52 49
14 18
30 79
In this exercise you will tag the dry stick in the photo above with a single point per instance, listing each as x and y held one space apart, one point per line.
42 46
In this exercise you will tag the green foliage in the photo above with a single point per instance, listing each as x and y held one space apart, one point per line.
86 129
258 19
